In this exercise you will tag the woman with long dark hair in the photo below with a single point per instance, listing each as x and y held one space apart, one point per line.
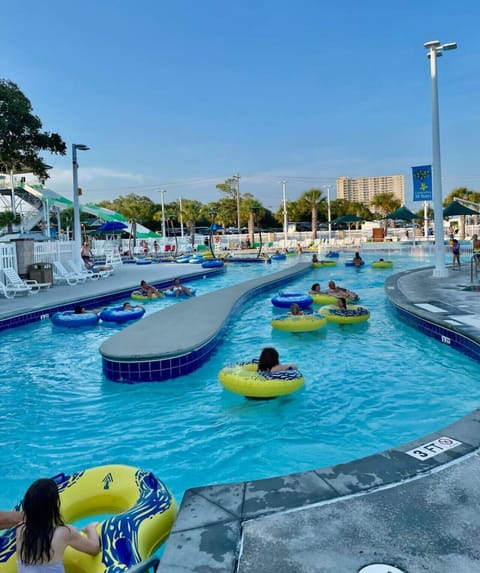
269 361
42 537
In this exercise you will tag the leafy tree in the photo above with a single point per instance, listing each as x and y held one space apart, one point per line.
132 206
21 138
462 193
229 200
190 213
311 200
8 219
385 203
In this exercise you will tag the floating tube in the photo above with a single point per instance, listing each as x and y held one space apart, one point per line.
286 299
139 295
145 512
212 263
300 323
382 264
118 314
69 319
353 314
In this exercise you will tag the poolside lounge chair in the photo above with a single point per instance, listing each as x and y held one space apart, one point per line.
15 281
9 291
61 274
88 274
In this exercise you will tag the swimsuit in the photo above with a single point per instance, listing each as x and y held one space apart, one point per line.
41 567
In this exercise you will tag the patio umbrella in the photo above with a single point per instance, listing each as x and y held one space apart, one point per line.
111 226
348 219
404 214
455 209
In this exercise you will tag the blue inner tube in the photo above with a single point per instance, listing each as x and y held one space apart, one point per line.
286 299
182 259
350 264
332 254
117 314
212 263
71 320
171 292
279 257
143 261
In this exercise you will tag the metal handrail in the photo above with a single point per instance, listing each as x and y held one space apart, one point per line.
149 564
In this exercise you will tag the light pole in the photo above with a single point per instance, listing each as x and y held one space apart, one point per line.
285 214
212 214
77 236
162 192
435 50
181 217
329 215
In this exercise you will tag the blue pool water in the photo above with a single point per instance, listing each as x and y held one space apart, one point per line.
368 387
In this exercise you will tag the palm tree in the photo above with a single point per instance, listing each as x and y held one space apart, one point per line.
385 203
190 212
312 199
8 219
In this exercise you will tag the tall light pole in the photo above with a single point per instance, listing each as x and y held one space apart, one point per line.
77 233
435 50
181 216
329 215
285 213
162 192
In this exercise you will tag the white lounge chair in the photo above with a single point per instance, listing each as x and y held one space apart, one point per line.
9 291
88 274
15 281
61 274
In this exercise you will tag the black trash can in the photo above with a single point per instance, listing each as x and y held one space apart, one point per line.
41 272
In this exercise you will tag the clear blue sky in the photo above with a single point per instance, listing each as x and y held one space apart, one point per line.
183 94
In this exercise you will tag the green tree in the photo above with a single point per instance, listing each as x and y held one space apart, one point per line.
21 138
229 201
311 200
132 206
462 193
8 219
385 203
190 213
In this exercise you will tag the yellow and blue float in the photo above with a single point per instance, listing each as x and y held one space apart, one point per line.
382 264
139 295
351 315
299 323
243 378
144 508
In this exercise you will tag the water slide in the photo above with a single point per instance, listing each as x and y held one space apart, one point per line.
41 199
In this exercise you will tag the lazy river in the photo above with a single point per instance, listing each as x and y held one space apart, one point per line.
367 387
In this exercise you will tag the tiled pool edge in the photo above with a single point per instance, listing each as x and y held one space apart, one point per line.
24 318
186 357
207 535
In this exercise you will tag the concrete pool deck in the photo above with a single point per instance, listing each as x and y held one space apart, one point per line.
409 509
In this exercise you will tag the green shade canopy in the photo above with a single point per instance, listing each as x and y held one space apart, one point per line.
455 208
348 219
404 214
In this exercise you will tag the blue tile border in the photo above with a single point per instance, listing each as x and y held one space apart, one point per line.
160 369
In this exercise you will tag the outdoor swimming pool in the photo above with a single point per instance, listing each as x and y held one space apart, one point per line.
368 387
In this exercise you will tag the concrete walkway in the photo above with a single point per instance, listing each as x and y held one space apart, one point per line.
410 509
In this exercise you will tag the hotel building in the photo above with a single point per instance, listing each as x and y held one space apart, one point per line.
364 189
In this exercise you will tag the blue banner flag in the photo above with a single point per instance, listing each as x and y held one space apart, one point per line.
422 183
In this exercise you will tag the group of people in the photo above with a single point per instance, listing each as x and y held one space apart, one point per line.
41 534
334 290
177 288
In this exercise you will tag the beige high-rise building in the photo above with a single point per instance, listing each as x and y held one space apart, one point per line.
364 189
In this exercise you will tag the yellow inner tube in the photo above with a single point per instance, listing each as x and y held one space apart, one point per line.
244 379
352 315
382 264
145 512
137 295
321 298
301 323
322 263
